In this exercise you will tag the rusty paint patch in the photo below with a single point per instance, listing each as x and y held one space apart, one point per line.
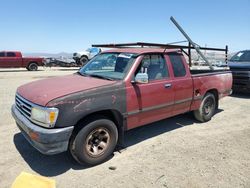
113 99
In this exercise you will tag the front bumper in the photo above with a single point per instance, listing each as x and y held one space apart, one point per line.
240 88
241 80
47 141
241 85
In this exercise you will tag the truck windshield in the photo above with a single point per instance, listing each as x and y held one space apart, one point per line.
243 56
112 66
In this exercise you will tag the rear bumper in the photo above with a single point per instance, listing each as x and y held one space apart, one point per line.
47 141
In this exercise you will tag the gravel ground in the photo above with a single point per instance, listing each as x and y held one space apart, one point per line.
176 152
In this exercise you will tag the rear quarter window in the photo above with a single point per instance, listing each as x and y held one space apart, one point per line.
177 64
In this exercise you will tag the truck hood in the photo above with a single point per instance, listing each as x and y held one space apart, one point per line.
42 91
239 65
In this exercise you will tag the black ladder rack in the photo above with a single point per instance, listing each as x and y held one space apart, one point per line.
189 47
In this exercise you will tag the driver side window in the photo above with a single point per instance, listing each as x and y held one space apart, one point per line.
155 66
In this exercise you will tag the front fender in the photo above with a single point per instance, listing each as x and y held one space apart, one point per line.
74 107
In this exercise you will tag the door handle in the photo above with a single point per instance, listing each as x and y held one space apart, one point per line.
168 85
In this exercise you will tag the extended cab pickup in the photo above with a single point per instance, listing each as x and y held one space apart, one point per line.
88 112
11 59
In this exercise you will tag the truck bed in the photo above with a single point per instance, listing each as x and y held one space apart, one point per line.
217 81
204 72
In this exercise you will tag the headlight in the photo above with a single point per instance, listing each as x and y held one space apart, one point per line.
45 117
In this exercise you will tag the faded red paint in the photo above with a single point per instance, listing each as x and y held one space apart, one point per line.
131 104
143 103
178 99
42 91
218 82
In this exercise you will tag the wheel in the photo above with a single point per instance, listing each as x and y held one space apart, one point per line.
32 67
83 60
95 142
207 108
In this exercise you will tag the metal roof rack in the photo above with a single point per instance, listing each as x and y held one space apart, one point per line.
147 44
188 47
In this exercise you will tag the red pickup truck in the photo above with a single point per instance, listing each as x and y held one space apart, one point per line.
11 59
88 112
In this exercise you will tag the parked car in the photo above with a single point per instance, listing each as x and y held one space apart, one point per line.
83 57
60 62
88 112
14 59
240 66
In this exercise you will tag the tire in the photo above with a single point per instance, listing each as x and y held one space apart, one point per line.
83 61
95 142
32 67
206 109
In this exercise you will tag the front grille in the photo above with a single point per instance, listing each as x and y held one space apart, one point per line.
241 78
239 69
243 75
23 106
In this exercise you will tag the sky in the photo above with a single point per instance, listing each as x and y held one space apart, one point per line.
53 26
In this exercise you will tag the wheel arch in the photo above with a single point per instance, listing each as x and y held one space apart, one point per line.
32 62
84 55
111 114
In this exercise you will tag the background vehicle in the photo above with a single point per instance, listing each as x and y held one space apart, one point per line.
14 59
240 66
83 57
60 62
87 113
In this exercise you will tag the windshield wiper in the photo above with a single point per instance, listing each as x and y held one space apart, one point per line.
78 72
100 76
82 74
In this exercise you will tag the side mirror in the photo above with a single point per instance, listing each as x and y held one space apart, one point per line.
141 78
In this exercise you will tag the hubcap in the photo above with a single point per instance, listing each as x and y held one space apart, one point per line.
208 106
97 142
33 67
83 61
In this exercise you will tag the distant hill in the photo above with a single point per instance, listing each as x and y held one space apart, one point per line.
64 54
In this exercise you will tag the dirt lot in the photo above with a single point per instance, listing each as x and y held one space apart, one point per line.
176 152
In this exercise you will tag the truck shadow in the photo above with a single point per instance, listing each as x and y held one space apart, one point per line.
145 132
43 164
58 164
241 95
